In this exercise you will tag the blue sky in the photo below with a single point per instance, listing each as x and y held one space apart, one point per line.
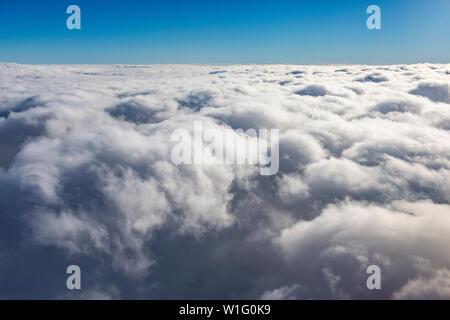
225 31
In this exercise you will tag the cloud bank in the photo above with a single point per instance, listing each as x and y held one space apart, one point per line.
86 178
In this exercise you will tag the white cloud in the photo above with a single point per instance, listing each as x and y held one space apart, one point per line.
395 237
85 173
283 293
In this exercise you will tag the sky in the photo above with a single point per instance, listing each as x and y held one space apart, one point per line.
224 32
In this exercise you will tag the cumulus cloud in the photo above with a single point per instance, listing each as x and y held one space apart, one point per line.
403 238
374 77
86 178
436 286
438 92
312 90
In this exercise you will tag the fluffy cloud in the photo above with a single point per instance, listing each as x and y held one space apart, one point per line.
404 238
86 178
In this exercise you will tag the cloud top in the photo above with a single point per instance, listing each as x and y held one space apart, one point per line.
86 178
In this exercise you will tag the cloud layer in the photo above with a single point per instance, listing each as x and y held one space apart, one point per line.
86 178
